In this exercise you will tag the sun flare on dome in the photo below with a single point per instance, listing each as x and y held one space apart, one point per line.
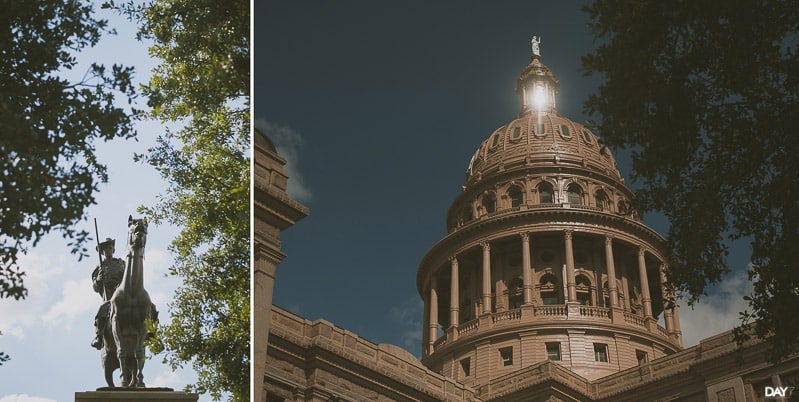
539 97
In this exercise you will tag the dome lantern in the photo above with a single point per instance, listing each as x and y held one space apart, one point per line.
536 86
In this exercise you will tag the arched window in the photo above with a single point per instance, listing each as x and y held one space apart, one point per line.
574 194
545 194
583 290
516 196
549 290
490 203
601 200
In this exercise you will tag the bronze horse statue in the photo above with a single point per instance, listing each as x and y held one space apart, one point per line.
130 306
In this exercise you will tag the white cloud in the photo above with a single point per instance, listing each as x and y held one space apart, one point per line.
24 398
158 284
408 314
717 312
288 143
168 379
45 276
77 298
156 263
40 271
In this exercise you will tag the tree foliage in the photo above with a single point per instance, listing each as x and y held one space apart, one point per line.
203 82
3 357
706 96
49 125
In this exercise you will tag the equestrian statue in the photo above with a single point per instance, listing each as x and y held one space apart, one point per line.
120 322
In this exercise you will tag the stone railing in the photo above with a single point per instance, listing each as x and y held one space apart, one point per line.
550 311
554 312
581 206
663 332
510 315
595 312
544 205
439 342
406 374
469 326
511 383
634 319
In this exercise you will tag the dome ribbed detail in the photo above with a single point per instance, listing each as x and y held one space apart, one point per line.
549 141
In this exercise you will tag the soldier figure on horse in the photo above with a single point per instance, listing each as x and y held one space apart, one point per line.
106 277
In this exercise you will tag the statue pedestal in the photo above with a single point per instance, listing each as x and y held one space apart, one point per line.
135 395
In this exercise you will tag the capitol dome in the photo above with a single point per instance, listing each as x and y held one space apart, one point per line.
539 135
540 142
546 256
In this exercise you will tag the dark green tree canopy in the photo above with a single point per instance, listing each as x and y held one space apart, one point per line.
49 125
706 96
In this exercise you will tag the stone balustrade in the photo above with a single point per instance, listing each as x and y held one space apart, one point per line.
396 364
545 313
552 310
634 319
468 326
510 315
595 312
440 342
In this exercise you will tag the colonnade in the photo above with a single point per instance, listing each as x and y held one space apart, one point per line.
670 313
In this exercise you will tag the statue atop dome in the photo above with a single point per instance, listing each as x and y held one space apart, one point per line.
536 42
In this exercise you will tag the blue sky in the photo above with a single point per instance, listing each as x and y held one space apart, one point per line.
379 106
48 335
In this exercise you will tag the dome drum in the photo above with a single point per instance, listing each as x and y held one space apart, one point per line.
537 189
547 280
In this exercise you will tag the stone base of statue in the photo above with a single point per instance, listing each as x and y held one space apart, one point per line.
108 394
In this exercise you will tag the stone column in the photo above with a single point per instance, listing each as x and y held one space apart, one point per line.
433 328
426 349
677 329
612 290
527 274
454 299
667 315
486 278
644 283
572 287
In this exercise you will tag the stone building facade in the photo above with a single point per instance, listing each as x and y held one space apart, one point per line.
274 211
547 287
